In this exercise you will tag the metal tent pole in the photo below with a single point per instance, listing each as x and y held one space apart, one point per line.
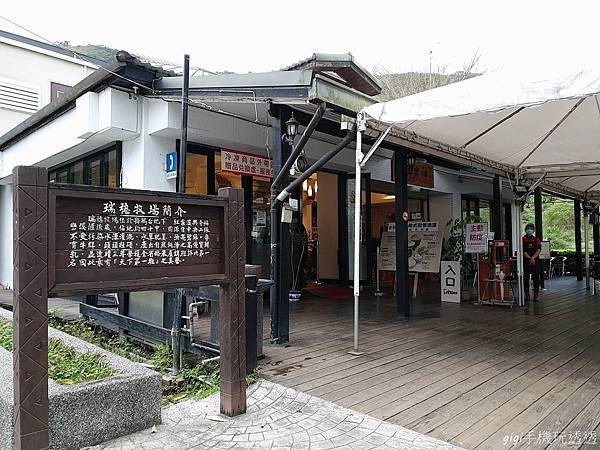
586 224
357 204
518 219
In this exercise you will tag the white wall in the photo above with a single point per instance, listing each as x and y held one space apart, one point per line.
97 120
31 66
440 208
144 156
6 234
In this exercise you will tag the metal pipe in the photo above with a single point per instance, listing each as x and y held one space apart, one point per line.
357 224
185 91
274 305
586 224
176 328
316 166
301 143
520 298
176 332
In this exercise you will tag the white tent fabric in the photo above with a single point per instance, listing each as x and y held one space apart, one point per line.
535 125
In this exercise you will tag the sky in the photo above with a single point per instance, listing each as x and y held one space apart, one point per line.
258 36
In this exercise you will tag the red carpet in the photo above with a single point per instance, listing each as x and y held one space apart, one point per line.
335 292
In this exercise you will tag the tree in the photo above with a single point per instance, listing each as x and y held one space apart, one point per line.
397 85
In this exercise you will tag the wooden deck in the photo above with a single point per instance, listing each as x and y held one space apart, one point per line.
471 375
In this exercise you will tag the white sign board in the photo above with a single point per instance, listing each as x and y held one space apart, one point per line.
545 252
476 238
245 164
422 226
424 249
261 217
387 252
450 276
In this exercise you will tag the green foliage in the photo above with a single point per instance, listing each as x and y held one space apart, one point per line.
453 247
196 381
162 359
101 52
65 365
6 335
558 218
89 332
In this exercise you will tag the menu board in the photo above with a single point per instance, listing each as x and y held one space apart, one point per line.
424 248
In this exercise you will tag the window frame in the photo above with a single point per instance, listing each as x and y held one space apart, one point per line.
98 154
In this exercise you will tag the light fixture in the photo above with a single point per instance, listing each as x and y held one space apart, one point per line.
316 186
305 185
291 129
310 191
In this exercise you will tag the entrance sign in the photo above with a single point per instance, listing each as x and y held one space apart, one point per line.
171 165
476 238
73 239
246 164
450 276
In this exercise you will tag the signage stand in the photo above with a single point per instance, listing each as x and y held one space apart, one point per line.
86 240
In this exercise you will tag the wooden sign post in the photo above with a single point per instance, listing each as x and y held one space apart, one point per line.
30 315
78 239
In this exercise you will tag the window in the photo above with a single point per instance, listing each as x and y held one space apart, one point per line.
100 169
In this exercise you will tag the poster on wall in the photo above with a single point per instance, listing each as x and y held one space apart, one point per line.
424 248
476 238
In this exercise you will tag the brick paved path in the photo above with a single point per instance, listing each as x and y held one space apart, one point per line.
277 418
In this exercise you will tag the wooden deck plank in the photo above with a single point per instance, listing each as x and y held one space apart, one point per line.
462 373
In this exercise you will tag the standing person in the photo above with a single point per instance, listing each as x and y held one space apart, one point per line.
532 246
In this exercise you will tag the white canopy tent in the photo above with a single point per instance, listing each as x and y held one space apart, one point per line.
532 129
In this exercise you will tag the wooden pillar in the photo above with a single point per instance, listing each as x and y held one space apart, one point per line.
401 213
539 225
232 309
30 314
578 262
497 208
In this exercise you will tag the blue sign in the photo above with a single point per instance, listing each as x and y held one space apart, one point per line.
171 162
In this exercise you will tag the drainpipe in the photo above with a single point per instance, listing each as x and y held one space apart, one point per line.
308 131
312 169
176 327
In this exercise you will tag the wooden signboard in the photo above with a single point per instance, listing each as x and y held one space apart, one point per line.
420 173
110 240
76 239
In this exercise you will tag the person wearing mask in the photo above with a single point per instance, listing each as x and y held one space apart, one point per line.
532 246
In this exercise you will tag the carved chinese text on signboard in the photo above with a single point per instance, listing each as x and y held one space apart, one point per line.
123 236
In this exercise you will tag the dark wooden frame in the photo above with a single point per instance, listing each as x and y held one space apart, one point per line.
85 192
34 207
